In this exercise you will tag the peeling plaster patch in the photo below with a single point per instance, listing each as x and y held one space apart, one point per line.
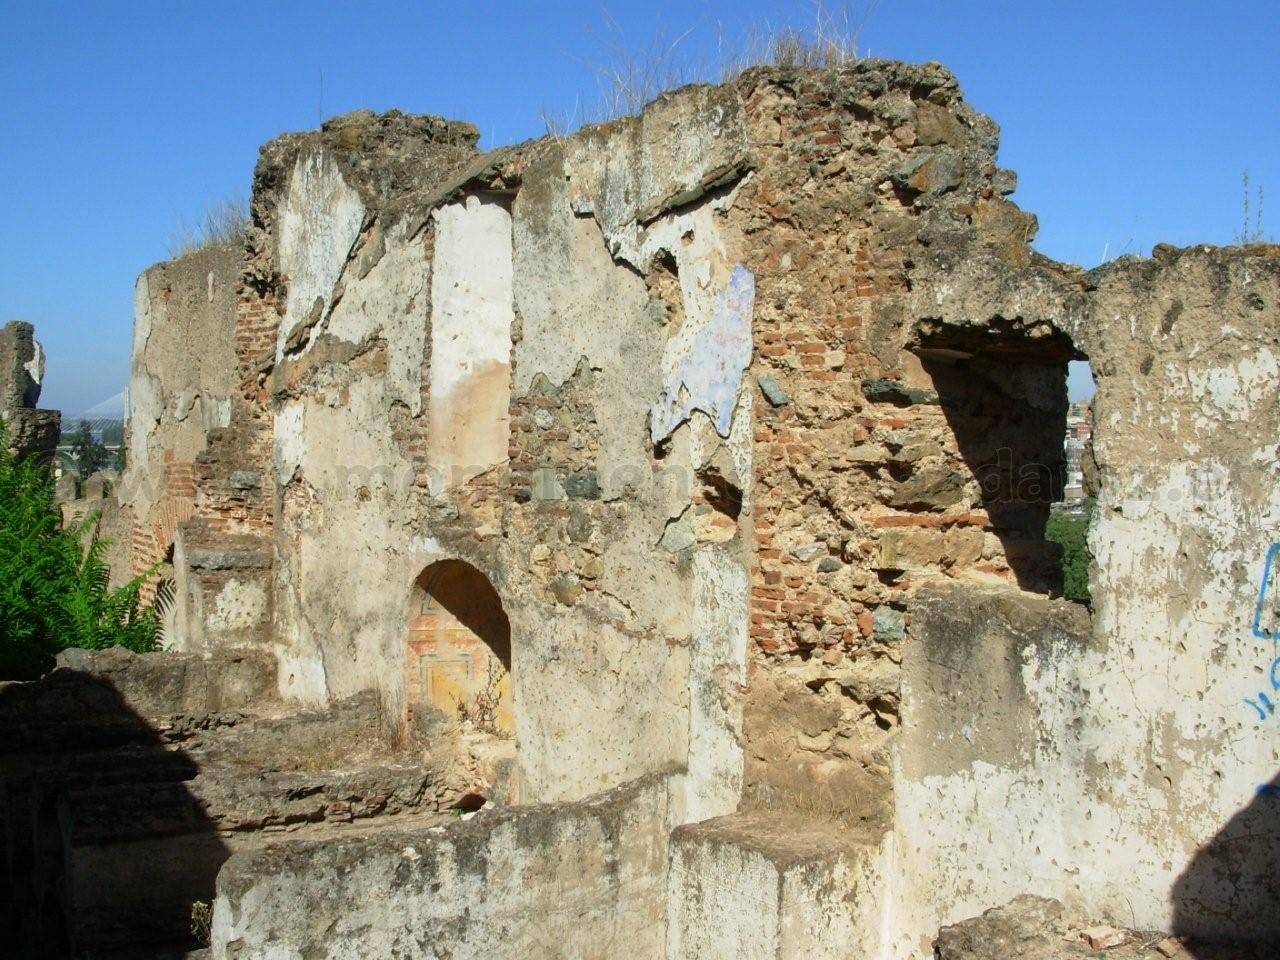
183 403
703 364
301 678
290 445
35 366
319 225
1238 390
424 543
472 312
390 301
143 404
217 413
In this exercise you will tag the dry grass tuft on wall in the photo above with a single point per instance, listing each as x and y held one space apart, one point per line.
223 223
628 75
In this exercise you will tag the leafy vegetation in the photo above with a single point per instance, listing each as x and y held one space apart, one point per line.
54 589
1072 533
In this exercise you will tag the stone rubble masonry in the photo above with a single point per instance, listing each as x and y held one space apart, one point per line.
32 432
782 409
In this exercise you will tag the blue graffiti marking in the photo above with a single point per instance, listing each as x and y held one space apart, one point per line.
1269 790
1263 705
1272 555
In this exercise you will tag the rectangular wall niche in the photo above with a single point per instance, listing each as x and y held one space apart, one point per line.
471 318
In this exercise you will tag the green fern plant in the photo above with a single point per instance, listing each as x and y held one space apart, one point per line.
55 588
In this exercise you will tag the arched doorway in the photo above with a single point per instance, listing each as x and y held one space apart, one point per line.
459 650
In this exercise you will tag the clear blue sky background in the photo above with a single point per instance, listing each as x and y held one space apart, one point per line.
1129 123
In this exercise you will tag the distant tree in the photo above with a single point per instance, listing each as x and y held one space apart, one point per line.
1072 534
89 454
112 432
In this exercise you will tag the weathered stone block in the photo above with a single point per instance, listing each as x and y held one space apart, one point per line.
582 486
494 886
910 548
759 887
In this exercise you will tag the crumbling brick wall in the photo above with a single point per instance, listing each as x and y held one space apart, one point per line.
885 456
874 466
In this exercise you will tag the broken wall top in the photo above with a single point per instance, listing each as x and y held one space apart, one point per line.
21 366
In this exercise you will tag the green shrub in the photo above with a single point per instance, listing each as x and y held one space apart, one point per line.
1072 533
54 590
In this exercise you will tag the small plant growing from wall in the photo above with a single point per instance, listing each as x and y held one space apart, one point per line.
1251 231
482 711
224 222
630 75
202 922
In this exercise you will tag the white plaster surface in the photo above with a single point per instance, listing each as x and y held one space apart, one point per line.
319 223
239 606
703 363
390 303
144 404
471 315
1121 771
752 889
717 670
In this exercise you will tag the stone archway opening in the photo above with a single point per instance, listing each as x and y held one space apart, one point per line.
458 660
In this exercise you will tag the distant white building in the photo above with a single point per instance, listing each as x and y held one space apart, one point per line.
1079 435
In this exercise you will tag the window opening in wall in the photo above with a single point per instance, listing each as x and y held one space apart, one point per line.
1068 523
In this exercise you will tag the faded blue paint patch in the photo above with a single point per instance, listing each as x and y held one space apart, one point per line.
1270 571
703 364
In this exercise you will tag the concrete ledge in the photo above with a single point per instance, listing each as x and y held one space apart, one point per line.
751 887
168 682
570 880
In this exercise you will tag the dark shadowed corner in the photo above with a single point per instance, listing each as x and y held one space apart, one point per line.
105 847
1233 882
1008 414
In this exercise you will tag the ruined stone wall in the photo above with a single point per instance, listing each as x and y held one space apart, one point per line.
720 399
1178 678
988 762
180 386
880 463
390 396
1120 764
32 432
536 362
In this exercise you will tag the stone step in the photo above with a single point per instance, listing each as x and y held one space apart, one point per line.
134 893
767 887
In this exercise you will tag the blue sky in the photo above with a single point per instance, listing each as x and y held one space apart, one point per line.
1129 123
